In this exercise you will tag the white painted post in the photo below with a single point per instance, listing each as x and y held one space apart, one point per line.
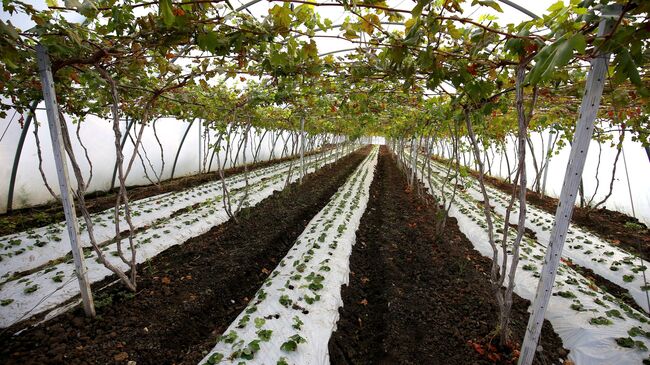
200 154
578 155
302 148
49 96
414 156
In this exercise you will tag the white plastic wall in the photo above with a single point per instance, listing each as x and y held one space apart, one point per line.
638 168
97 136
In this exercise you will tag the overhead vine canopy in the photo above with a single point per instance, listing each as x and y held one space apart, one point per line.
407 70
426 70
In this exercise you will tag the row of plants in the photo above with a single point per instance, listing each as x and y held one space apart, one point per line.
577 305
291 317
52 241
582 247
52 284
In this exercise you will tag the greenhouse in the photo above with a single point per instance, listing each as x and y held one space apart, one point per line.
306 182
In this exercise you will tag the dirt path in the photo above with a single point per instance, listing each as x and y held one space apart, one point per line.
414 301
188 294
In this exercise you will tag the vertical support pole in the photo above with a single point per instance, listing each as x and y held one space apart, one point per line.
414 156
178 152
19 152
581 139
302 148
49 96
629 189
200 157
548 161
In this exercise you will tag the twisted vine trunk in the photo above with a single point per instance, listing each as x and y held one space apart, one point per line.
40 159
122 196
619 148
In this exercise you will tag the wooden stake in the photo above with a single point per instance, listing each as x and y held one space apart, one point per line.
581 139
49 96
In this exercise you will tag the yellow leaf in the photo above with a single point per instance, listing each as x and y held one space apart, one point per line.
369 23
409 23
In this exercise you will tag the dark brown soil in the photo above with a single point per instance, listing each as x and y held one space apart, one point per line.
33 217
603 222
412 300
188 294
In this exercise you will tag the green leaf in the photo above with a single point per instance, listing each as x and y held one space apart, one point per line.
289 346
281 16
285 300
215 358
579 43
166 12
75 4
625 67
350 30
304 12
249 352
555 55
556 6
638 331
600 321
292 343
409 24
259 322
489 3
265 335
625 342
297 323
89 10
417 10
230 337
208 41
9 30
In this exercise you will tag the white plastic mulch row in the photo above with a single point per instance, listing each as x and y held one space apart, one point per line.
33 248
595 326
291 318
55 284
582 247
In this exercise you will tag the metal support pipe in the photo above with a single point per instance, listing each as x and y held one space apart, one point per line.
302 148
520 8
214 150
181 146
19 152
548 161
200 154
